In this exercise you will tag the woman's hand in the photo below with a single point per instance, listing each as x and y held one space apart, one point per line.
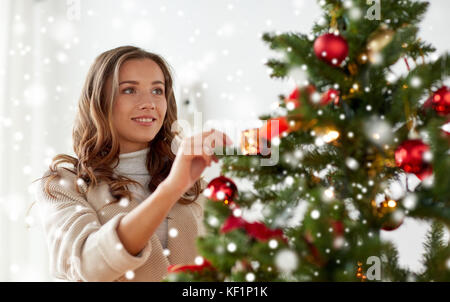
194 154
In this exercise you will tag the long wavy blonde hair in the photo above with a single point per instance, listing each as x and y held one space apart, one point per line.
95 141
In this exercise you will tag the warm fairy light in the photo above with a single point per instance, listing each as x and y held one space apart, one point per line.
392 203
325 135
330 136
249 142
329 193
359 272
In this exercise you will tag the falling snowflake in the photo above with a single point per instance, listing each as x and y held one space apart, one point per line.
129 275
315 214
273 244
199 260
286 260
173 232
231 247
250 277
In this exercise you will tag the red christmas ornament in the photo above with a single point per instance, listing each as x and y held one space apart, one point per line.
221 189
409 157
314 256
295 95
232 223
331 95
179 268
428 103
338 227
331 48
268 131
256 230
441 101
261 232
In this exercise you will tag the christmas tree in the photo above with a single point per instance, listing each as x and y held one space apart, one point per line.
346 138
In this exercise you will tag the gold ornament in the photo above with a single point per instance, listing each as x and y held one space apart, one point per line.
362 58
389 214
353 68
294 125
354 89
378 41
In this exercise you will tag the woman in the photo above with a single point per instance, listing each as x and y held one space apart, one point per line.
128 207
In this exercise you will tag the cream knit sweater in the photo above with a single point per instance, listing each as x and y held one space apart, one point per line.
81 234
133 165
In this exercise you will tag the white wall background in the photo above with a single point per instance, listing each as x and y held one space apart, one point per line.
214 48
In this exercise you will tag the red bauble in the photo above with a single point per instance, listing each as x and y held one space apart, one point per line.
221 189
294 94
338 227
314 256
441 101
331 48
293 97
232 223
261 232
331 95
391 225
268 131
255 230
179 268
409 157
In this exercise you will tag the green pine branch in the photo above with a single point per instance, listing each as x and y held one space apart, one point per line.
436 255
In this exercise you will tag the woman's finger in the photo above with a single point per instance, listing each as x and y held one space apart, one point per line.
208 159
217 138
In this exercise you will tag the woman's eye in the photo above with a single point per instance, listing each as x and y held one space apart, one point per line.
158 91
128 90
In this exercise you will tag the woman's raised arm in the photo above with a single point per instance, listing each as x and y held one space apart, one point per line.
193 156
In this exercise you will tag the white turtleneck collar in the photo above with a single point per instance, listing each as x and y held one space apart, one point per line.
133 163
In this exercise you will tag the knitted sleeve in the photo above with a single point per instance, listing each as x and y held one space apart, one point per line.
197 207
80 248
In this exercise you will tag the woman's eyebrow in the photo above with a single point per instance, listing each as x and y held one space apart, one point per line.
136 82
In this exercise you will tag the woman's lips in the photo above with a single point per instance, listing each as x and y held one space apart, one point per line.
144 123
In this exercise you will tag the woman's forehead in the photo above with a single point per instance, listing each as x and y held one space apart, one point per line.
139 70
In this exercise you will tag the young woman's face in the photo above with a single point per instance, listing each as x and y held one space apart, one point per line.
141 93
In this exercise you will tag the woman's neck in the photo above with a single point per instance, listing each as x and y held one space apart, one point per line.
133 162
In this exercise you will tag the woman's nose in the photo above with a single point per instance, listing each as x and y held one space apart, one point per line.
147 102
